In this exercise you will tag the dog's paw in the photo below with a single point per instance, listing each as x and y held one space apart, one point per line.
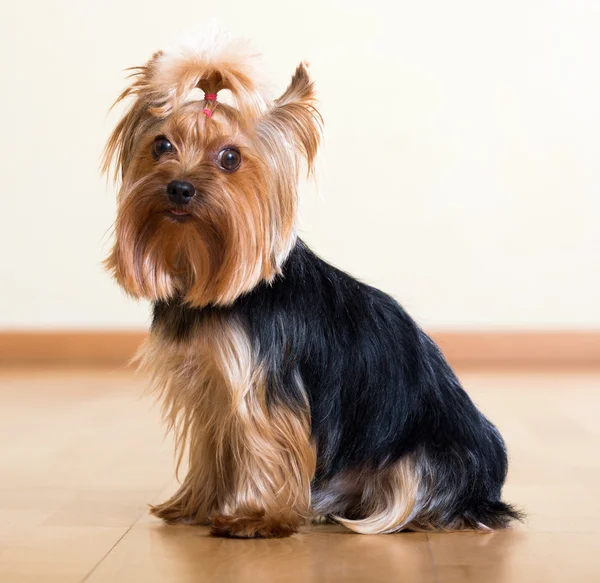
255 526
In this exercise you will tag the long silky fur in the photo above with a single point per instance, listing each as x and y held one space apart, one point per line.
399 443
292 388
248 464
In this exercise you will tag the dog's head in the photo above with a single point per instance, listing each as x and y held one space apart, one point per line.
208 200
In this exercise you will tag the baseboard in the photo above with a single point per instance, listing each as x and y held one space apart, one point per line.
473 348
521 348
69 347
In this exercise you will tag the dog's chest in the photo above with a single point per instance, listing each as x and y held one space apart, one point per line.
213 366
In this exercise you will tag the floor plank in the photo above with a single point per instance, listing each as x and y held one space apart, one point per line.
515 556
157 553
82 453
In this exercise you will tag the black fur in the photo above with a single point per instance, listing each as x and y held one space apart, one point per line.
379 388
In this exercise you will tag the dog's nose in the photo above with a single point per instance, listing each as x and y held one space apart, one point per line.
180 192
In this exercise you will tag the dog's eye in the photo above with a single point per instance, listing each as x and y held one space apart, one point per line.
229 159
161 146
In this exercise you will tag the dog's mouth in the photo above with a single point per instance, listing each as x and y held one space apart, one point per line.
178 215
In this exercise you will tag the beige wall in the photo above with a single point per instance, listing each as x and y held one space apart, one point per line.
460 170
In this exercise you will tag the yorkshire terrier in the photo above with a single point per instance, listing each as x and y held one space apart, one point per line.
295 390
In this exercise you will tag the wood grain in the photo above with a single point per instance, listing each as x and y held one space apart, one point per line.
82 453
462 348
69 347
531 348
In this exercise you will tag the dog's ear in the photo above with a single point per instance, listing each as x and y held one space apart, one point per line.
294 123
136 121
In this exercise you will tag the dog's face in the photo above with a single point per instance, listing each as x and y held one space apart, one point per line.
207 206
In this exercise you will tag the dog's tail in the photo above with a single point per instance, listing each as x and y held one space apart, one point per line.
490 514
427 493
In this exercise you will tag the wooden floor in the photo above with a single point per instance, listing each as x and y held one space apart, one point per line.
82 454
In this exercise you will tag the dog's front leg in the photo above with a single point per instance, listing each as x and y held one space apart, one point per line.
251 459
196 497
270 464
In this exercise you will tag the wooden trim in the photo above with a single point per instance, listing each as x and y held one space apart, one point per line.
542 348
473 348
98 348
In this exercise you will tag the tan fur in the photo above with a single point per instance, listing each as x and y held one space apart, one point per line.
242 224
401 497
250 463
250 466
390 499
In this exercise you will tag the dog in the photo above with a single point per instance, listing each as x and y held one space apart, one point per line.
294 390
